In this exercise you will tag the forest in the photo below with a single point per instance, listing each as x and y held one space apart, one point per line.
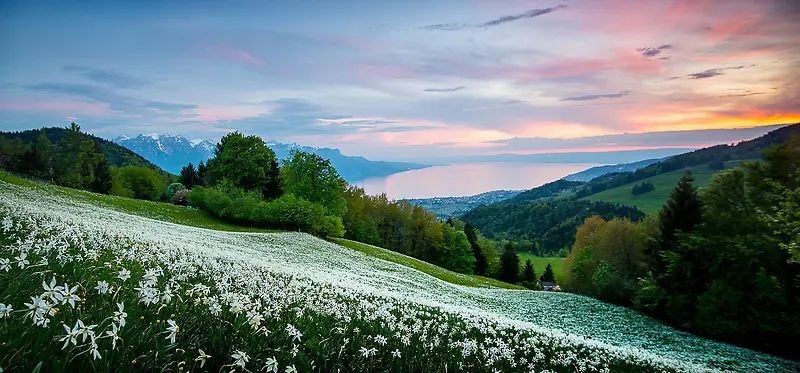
543 228
722 262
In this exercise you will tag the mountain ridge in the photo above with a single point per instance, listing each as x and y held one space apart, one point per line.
171 152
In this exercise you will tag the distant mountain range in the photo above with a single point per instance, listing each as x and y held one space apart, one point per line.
171 152
596 171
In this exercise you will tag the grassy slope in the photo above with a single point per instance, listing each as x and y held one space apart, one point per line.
539 264
425 267
651 202
196 218
154 210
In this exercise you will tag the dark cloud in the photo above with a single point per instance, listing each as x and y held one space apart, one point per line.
652 52
744 94
442 90
116 102
291 117
596 97
529 14
495 22
713 72
107 77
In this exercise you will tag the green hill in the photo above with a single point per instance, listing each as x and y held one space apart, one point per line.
652 201
192 296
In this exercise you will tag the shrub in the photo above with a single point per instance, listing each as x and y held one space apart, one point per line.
181 197
197 198
172 188
142 181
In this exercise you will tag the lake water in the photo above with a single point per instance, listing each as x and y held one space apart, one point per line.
469 179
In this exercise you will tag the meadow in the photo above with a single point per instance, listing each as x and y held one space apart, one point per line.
85 286
540 263
651 202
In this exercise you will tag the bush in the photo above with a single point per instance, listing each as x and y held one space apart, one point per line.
197 198
142 181
287 212
181 197
172 188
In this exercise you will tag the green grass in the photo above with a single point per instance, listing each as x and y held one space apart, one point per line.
425 267
149 209
652 201
539 264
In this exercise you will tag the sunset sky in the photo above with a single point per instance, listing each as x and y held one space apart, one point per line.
405 80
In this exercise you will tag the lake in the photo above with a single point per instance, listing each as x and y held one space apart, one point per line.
469 179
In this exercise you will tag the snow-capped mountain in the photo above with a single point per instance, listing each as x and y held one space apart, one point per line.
171 152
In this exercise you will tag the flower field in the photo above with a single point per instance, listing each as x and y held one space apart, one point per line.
87 288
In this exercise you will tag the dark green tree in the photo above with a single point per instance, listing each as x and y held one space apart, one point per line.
481 264
528 273
509 264
313 178
680 214
201 174
548 275
43 151
103 178
189 177
244 162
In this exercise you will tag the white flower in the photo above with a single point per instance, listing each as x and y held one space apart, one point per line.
52 291
215 309
68 295
173 329
5 264
367 352
271 365
102 287
71 337
291 369
21 260
124 274
240 358
202 358
381 340
120 315
5 310
113 334
93 351
85 331
396 353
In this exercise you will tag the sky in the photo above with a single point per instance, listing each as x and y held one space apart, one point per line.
407 80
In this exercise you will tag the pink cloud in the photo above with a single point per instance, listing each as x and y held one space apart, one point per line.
237 55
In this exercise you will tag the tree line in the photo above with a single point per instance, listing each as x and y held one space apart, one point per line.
643 187
721 262
714 157
543 228
77 160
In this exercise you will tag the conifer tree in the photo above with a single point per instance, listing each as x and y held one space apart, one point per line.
548 275
528 274
43 156
680 214
481 265
188 176
509 264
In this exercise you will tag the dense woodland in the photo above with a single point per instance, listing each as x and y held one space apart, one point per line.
722 262
543 228
71 158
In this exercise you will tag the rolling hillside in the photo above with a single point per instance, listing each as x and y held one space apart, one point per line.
652 201
273 293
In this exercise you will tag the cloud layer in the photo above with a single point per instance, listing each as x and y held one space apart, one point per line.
479 77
